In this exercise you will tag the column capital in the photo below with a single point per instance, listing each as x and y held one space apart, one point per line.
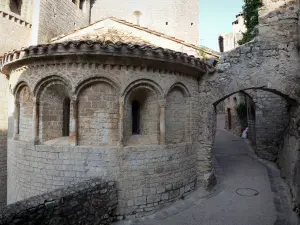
162 103
73 100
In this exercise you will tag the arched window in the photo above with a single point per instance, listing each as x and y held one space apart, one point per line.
16 6
66 117
136 108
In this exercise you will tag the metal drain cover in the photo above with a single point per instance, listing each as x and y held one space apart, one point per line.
248 192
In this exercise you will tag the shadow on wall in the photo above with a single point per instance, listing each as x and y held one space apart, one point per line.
91 202
3 167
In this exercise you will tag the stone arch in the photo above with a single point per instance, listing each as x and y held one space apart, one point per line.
49 81
181 86
145 83
147 94
24 105
98 112
18 86
52 94
220 97
178 114
86 82
271 116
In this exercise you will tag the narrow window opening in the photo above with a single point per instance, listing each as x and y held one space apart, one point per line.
66 117
192 24
167 23
16 6
136 117
81 4
229 118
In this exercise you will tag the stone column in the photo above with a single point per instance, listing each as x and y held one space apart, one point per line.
188 131
16 120
73 138
121 122
35 122
162 122
77 2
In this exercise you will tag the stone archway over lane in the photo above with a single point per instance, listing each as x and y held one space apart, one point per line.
258 65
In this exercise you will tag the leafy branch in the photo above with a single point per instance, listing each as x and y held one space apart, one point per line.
250 10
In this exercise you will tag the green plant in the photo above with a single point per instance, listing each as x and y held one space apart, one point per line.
202 54
250 10
241 110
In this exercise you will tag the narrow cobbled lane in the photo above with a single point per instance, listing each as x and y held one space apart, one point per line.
249 192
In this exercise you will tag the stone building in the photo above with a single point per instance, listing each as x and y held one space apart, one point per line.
233 122
133 104
229 41
113 99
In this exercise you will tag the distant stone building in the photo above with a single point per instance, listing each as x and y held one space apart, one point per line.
229 41
232 120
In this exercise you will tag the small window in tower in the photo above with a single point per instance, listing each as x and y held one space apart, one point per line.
81 4
16 6
136 117
192 24
167 23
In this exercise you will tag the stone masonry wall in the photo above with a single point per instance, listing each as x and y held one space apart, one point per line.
289 157
91 202
3 138
270 62
51 120
25 113
26 9
271 120
14 34
177 117
98 108
155 15
58 17
149 176
149 117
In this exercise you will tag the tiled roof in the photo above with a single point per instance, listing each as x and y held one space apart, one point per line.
107 35
203 49
142 53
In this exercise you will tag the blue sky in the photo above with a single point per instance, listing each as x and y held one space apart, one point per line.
216 17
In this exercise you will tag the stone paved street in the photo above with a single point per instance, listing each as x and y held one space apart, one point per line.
237 168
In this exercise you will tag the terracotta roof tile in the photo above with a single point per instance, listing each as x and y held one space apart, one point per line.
206 50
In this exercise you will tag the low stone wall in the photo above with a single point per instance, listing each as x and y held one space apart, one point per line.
272 120
148 176
91 202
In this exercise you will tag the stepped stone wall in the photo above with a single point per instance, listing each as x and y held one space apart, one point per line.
91 202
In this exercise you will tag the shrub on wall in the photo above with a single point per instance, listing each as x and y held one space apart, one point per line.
250 10
241 110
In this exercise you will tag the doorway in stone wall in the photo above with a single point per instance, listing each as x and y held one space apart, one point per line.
229 118
265 115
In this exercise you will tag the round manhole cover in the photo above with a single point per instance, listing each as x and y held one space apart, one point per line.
248 192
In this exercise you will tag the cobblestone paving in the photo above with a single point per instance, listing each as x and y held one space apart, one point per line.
239 173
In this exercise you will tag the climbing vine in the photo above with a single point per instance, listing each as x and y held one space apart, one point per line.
241 110
250 10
